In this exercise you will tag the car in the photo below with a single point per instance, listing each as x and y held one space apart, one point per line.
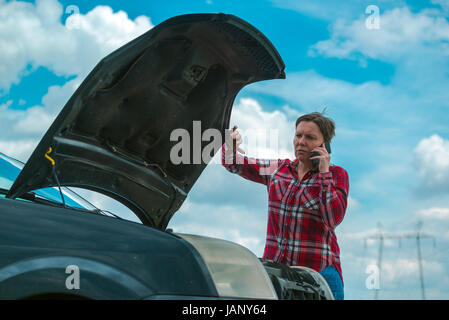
113 137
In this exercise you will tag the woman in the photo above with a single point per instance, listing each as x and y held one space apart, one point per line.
306 202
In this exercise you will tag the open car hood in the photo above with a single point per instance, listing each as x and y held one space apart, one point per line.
113 135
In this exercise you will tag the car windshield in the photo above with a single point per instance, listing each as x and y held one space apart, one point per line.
10 169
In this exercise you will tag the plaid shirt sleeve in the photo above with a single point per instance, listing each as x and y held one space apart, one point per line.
257 170
333 195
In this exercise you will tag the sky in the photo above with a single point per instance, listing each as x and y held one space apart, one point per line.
380 69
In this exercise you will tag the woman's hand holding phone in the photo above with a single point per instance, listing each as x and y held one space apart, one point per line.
320 156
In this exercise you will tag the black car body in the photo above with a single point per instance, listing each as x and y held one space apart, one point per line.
113 137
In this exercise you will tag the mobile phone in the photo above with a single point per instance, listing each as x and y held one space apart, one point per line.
316 162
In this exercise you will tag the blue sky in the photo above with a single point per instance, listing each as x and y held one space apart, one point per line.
386 88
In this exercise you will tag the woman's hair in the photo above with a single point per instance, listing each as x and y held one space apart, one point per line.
326 125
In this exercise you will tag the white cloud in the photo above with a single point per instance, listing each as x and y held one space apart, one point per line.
353 204
33 34
331 10
405 269
266 134
416 44
291 112
5 105
432 162
57 96
26 127
436 223
443 3
400 30
314 91
435 213
35 121
19 149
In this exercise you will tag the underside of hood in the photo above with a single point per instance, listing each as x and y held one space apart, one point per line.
113 135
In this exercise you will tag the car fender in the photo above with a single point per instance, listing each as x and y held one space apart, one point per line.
68 275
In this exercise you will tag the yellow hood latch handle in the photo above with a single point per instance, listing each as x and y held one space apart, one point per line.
48 157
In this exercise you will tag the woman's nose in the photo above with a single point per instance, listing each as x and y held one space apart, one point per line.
300 141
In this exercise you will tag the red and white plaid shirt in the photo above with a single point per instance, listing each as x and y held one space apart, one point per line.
302 215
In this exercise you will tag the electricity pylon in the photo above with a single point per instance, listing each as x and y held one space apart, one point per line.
418 235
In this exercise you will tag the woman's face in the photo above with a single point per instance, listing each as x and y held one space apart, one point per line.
307 137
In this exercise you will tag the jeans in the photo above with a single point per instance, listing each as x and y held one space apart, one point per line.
331 275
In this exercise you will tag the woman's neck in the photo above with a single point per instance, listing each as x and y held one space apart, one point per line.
304 167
